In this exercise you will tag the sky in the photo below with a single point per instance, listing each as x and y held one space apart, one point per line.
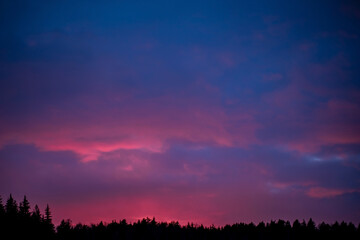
212 112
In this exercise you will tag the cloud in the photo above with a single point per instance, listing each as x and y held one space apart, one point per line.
306 114
184 182
196 113
106 123
318 192
171 185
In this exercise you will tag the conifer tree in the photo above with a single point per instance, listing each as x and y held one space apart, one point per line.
311 225
36 215
11 207
2 213
24 208
48 218
2 208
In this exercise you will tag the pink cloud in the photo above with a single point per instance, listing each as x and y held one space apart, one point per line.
311 123
335 122
320 192
143 125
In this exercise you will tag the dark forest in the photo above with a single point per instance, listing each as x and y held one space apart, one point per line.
18 221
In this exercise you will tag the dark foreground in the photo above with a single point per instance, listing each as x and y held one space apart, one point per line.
17 222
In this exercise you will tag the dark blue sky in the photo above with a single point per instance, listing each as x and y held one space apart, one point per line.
203 111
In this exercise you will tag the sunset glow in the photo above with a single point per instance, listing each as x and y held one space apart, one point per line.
210 112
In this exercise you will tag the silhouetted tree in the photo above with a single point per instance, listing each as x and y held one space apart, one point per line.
11 218
17 224
64 229
24 221
296 225
323 227
311 225
48 225
48 217
11 207
2 216
2 208
36 215
24 208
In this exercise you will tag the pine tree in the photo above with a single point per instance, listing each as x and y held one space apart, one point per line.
2 213
64 229
11 207
296 225
48 219
36 215
25 208
2 209
311 225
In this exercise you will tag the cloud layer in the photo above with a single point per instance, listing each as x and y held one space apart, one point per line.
212 113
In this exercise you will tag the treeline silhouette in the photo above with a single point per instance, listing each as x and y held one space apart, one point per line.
18 222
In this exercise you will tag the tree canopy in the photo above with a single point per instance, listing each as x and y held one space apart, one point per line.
18 222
